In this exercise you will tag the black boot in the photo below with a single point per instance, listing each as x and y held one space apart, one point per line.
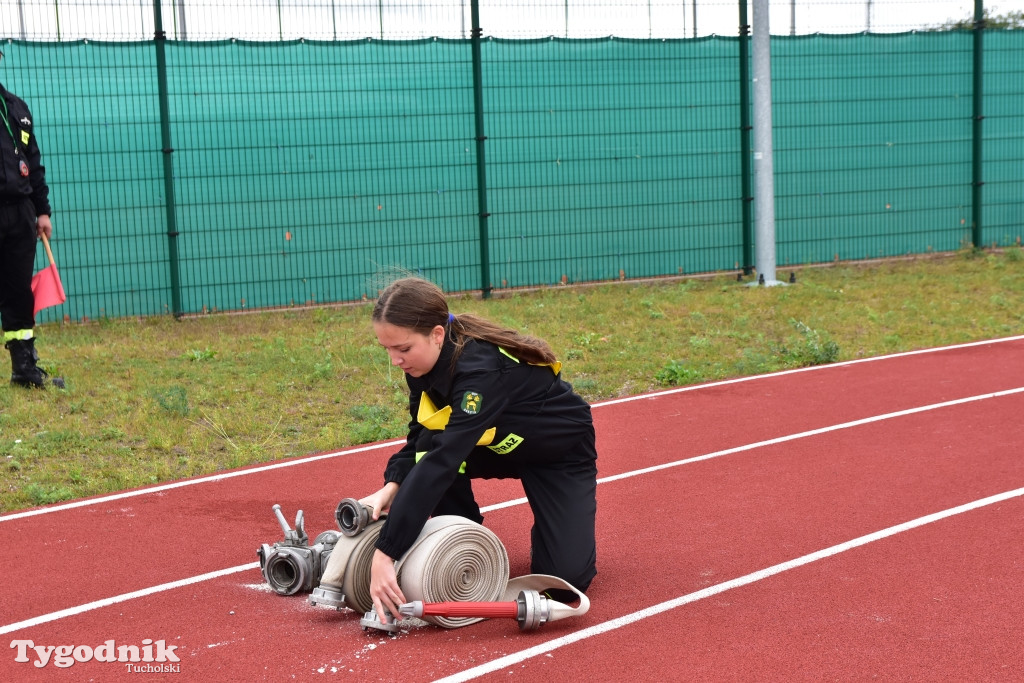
24 371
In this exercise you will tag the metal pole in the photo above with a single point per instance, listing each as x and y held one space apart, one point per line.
182 33
694 18
764 182
481 168
160 41
792 17
21 17
976 168
748 198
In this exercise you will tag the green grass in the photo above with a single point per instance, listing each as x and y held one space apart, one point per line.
157 399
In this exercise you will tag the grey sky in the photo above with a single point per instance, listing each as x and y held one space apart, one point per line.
128 20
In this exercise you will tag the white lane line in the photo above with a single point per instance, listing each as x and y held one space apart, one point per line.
388 444
191 482
71 611
626 620
814 432
788 437
813 368
520 501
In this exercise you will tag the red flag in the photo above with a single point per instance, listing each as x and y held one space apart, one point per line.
46 286
47 289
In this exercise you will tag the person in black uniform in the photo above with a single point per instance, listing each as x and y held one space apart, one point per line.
485 402
24 216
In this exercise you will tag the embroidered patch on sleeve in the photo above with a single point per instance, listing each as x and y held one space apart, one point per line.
24 137
471 402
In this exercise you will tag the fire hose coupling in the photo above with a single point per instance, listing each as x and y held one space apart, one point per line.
352 516
294 565
328 596
530 609
372 620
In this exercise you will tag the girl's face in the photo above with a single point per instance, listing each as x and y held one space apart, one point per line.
415 353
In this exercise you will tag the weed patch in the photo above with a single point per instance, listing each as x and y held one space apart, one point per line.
812 348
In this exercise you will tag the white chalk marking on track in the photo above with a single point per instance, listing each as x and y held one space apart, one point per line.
519 501
388 444
71 611
626 620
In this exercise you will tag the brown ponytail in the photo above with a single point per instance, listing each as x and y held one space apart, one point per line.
420 305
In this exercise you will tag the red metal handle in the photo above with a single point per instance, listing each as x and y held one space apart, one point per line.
488 610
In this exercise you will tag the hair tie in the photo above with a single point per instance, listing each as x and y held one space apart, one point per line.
451 317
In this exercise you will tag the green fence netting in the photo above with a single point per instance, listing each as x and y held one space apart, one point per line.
302 170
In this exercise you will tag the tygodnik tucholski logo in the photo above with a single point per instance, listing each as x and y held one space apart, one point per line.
150 657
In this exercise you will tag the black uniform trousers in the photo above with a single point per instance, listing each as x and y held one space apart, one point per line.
563 497
17 257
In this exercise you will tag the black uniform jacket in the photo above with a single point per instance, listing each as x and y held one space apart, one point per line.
20 154
517 411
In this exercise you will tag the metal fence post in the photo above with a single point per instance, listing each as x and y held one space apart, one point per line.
160 41
745 128
481 169
764 173
976 169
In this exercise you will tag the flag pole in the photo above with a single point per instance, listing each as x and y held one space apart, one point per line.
49 254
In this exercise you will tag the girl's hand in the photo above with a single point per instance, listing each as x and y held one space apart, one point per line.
384 589
380 502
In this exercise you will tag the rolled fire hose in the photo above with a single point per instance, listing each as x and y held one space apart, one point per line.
452 560
346 578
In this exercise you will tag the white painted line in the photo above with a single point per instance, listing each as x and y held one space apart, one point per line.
813 368
812 432
521 501
97 604
190 482
387 444
783 439
72 611
626 620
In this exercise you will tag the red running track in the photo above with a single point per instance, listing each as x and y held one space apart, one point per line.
848 522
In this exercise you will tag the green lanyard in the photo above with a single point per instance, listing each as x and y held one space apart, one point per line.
7 124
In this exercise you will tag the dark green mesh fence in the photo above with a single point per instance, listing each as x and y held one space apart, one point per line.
1003 206
303 169
872 145
584 184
